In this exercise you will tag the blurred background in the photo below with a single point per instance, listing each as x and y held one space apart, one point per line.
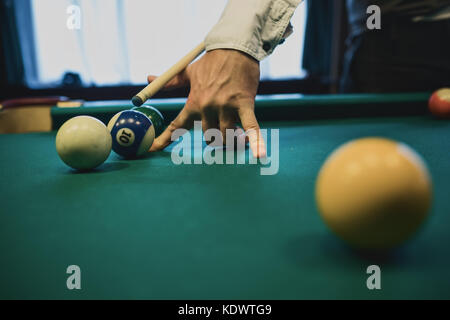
115 43
122 41
108 52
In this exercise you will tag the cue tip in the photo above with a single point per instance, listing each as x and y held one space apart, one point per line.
137 102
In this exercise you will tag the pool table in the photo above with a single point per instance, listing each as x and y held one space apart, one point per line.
150 229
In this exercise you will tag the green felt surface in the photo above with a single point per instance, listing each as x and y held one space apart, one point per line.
150 229
275 107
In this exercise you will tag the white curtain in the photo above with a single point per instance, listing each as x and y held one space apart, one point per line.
122 41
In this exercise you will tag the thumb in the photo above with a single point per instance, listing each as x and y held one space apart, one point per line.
180 80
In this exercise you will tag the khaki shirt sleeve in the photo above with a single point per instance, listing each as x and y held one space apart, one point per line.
255 27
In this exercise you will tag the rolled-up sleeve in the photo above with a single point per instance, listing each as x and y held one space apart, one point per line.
255 27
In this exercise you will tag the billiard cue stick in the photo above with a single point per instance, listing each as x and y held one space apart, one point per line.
156 85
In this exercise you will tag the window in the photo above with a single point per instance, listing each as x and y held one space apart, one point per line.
121 41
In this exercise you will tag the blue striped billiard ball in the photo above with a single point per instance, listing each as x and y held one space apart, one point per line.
132 133
155 116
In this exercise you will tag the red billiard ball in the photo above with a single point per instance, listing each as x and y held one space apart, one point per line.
439 103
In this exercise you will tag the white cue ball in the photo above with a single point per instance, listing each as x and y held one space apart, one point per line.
83 142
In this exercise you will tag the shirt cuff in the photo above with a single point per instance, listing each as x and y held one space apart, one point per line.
255 27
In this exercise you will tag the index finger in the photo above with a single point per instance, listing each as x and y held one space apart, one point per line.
184 120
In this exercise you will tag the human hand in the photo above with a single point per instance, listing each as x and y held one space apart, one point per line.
223 85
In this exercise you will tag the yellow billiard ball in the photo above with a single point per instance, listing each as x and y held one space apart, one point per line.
374 193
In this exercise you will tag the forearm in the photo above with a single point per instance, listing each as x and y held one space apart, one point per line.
255 27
